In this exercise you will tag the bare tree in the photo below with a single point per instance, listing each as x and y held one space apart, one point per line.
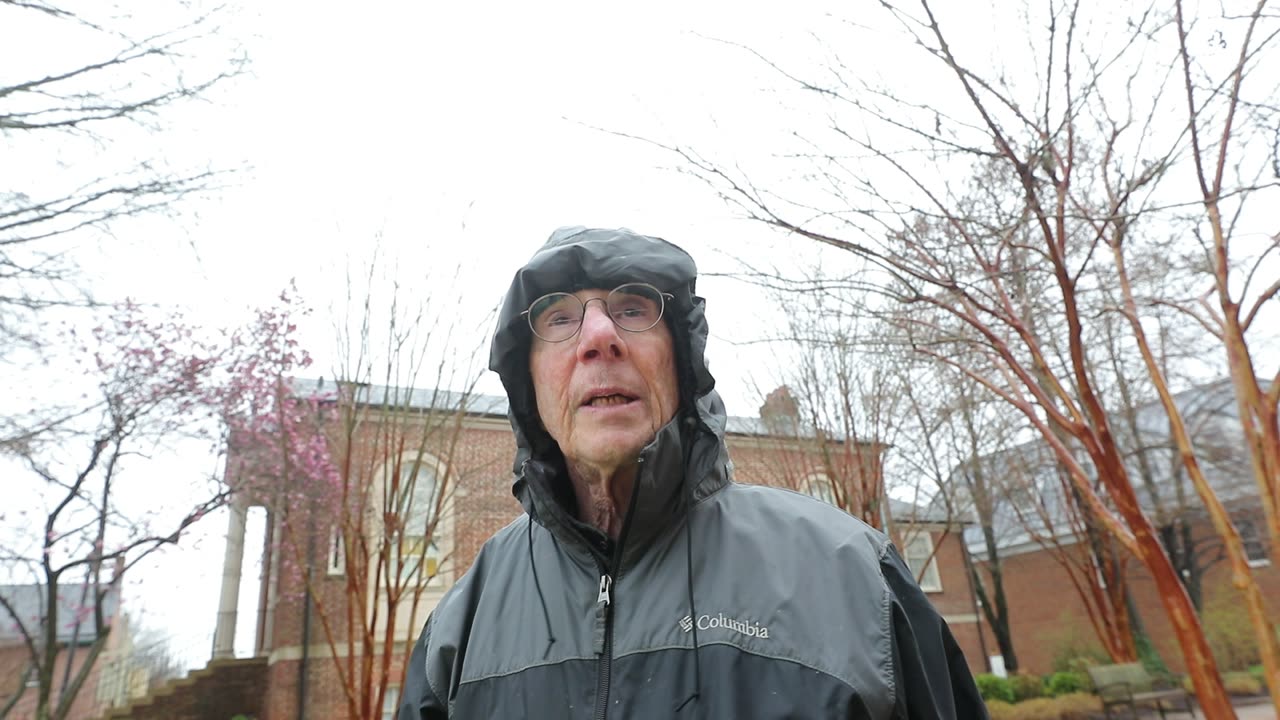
157 382
976 435
1079 131
836 405
103 93
359 479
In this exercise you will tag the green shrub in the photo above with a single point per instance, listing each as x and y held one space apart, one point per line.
1035 709
1065 683
1241 683
1026 686
1081 663
1078 706
1258 672
1228 630
992 687
999 710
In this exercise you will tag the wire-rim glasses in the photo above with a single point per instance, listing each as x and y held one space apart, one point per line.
634 307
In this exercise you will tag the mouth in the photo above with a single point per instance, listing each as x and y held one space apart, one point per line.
609 399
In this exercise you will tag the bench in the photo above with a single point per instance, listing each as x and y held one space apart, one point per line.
1129 685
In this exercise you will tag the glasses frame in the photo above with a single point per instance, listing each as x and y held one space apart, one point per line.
663 297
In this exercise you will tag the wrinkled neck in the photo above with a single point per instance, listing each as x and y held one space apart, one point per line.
603 496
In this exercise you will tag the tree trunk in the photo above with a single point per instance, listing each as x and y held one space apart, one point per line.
1201 666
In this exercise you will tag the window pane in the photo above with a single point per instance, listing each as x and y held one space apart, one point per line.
917 552
1255 548
337 554
417 559
420 490
390 702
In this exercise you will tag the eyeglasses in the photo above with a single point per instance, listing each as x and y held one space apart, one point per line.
634 307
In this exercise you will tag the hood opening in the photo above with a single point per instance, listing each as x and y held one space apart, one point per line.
578 258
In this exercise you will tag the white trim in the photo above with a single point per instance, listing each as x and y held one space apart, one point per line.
961 619
1260 563
390 702
931 579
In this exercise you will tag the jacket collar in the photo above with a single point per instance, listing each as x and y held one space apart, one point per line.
662 497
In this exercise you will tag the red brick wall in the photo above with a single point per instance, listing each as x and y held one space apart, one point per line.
15 658
326 699
222 690
956 601
1048 617
1046 614
1216 583
483 505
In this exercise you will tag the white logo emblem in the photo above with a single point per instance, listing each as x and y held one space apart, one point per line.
750 628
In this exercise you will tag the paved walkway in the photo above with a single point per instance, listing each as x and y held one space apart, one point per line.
1251 711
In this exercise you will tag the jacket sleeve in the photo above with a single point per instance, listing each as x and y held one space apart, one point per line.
418 701
930 673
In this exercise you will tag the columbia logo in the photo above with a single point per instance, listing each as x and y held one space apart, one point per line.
718 621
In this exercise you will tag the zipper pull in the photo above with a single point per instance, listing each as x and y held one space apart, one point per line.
605 583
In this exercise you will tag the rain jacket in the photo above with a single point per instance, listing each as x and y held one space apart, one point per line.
718 600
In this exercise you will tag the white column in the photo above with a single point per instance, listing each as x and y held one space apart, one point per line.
224 635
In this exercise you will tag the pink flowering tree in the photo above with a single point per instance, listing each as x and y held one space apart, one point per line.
157 381
358 476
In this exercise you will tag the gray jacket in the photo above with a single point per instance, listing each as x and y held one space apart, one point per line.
718 600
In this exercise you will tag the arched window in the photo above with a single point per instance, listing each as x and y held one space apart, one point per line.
419 502
818 485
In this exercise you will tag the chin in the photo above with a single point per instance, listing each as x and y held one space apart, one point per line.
615 450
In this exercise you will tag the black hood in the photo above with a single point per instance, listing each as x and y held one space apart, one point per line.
578 258
687 460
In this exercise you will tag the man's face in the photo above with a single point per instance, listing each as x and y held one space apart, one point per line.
604 393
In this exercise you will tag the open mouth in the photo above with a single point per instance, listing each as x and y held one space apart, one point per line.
613 400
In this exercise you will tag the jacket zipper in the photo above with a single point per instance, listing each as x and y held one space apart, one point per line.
604 603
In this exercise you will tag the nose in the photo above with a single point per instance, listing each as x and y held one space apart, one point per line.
598 336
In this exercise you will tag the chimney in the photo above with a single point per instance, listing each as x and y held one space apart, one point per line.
780 413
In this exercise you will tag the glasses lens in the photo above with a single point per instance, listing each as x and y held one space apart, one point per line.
555 317
635 306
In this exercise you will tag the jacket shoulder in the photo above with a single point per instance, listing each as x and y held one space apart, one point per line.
791 513
495 554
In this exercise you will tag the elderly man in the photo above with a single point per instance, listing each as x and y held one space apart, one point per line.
642 581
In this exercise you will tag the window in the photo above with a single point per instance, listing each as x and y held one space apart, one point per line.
819 486
917 552
418 557
1255 546
390 702
337 553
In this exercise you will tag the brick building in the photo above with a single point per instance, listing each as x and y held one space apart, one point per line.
298 665
115 676
1048 618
